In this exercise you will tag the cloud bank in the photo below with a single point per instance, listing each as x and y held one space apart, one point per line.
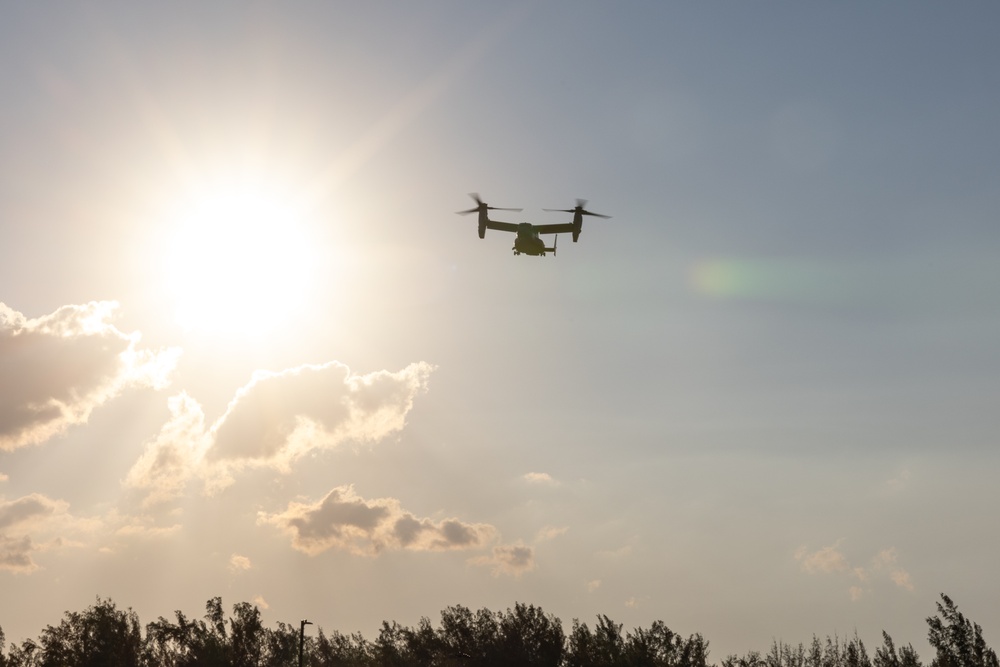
66 364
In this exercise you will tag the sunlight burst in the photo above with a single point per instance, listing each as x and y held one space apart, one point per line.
240 262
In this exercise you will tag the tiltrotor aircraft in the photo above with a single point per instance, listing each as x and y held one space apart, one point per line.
528 240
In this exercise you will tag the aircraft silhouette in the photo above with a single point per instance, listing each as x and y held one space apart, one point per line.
528 240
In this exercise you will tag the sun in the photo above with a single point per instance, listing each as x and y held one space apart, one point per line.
239 261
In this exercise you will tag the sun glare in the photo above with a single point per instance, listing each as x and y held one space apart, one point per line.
240 262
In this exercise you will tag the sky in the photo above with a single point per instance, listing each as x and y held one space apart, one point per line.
248 350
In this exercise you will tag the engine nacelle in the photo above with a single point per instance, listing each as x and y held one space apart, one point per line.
482 230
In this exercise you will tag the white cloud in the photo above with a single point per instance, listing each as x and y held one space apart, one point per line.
827 559
539 478
173 456
830 560
902 579
239 563
322 405
67 364
260 602
593 585
271 422
345 521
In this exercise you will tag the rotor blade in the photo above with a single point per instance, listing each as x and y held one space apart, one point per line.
560 210
471 210
596 215
497 208
475 197
580 203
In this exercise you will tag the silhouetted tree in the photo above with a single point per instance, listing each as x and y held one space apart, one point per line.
958 641
281 646
469 637
603 647
101 636
339 650
886 655
530 637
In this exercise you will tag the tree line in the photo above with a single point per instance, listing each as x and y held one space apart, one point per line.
105 636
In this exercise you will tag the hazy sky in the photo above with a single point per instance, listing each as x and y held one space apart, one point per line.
247 348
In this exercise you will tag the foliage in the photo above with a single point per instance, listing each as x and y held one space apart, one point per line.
957 640
105 636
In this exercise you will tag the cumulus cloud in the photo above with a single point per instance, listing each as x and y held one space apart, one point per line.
264 417
827 559
539 478
593 585
830 560
275 419
239 563
30 517
509 559
67 364
345 521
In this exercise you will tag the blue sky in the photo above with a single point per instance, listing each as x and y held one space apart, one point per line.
249 350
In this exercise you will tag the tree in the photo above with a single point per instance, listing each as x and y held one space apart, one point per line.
886 655
530 637
101 636
958 641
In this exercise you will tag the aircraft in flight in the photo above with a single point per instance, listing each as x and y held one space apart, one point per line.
528 240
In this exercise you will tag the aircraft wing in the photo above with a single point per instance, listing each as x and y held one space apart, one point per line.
502 226
564 228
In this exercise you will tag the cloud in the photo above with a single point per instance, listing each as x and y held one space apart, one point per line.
31 516
239 563
830 560
550 533
593 585
15 554
264 417
510 559
67 364
902 579
344 521
271 422
539 478
260 602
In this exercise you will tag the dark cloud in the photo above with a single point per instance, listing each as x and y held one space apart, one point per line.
15 554
343 520
24 519
25 509
66 364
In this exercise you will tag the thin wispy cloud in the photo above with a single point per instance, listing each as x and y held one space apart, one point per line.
509 559
832 560
67 364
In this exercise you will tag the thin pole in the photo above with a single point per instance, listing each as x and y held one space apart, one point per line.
302 638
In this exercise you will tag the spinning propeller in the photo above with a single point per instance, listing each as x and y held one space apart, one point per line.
483 206
580 203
